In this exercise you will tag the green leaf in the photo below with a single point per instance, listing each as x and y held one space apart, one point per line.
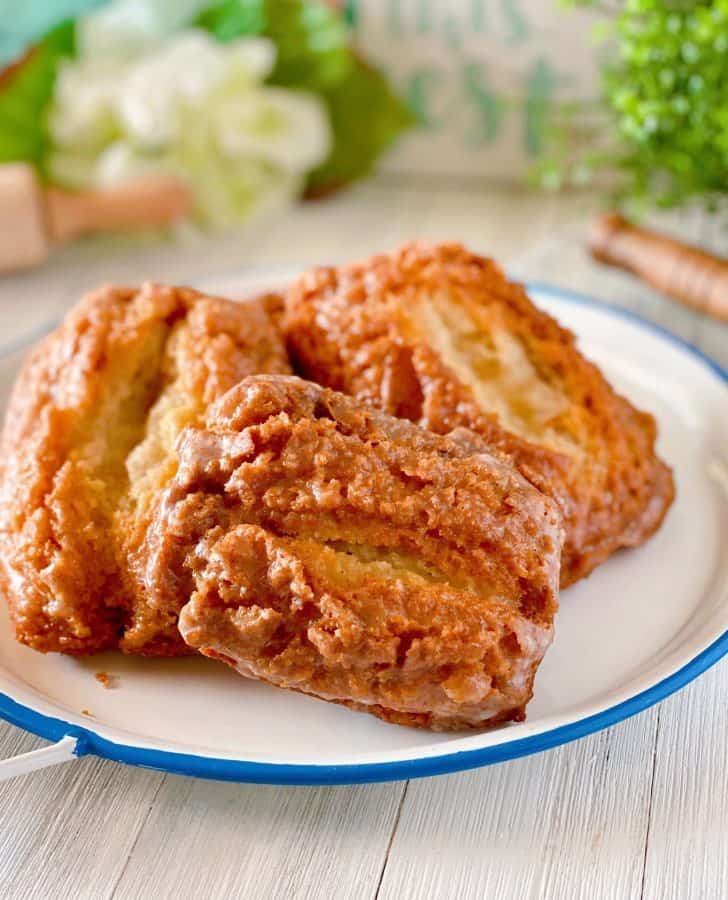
665 88
314 54
312 41
366 117
24 93
233 19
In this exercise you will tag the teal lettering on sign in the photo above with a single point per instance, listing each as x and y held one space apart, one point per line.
519 29
394 17
477 16
540 87
488 105
420 95
351 13
452 20
452 32
423 16
452 59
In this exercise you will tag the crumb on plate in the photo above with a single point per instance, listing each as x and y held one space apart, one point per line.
106 680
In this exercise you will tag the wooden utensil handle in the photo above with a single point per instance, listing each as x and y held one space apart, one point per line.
145 202
687 273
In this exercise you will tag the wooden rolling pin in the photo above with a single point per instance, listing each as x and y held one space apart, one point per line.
33 218
689 274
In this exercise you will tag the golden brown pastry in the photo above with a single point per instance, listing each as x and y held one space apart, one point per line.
88 446
341 552
441 337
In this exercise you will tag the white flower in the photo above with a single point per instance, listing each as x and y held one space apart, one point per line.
126 28
288 128
121 162
190 107
183 73
83 113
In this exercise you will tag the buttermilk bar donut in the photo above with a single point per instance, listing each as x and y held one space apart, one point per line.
88 445
338 551
438 335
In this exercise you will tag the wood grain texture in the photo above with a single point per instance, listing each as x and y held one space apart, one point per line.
570 823
640 811
211 840
687 846
68 831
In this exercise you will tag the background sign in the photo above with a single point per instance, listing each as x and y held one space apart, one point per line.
485 76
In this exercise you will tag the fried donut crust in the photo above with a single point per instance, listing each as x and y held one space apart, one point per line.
88 445
438 335
334 550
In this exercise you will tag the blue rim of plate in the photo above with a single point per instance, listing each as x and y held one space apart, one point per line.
88 742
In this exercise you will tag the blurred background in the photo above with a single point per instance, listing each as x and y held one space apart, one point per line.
171 139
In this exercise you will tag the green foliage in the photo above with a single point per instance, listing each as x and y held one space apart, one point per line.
366 116
314 54
24 94
667 90
311 39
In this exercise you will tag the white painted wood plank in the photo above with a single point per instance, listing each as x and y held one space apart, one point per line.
67 831
687 850
208 840
569 823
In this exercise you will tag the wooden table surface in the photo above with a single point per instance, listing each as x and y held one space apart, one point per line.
640 810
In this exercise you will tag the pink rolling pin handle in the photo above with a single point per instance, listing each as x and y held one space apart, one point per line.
145 202
691 275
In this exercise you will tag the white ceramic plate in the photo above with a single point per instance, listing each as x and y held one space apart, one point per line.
641 627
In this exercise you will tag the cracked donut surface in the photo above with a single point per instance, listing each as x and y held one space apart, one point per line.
88 447
341 552
438 335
